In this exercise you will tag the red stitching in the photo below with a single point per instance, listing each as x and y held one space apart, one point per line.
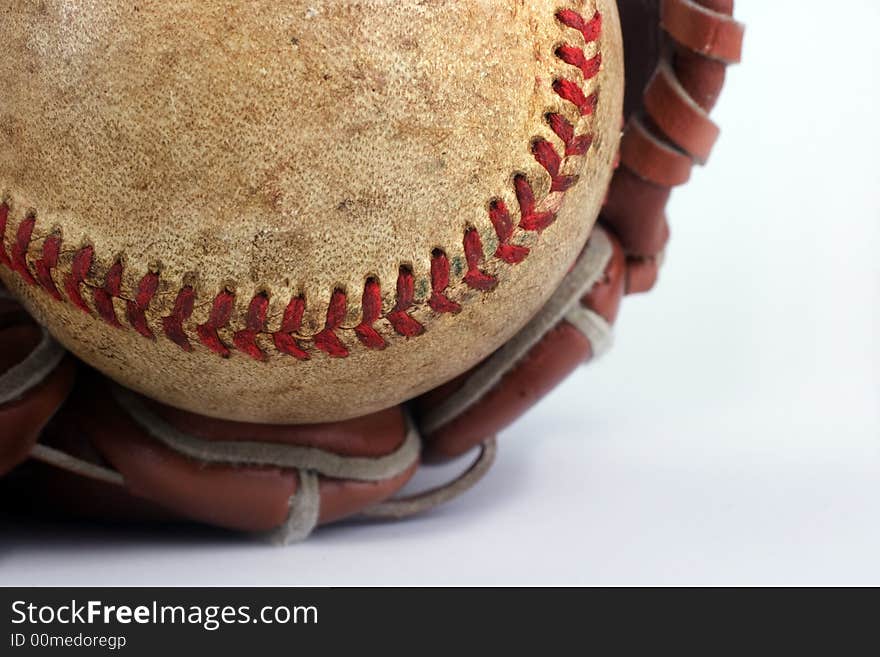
291 324
20 249
45 265
576 57
473 254
221 311
439 302
255 323
104 296
399 318
287 339
530 218
79 269
574 144
372 312
173 323
512 254
136 311
546 155
591 29
327 340
570 91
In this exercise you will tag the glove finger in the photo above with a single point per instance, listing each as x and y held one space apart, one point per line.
670 93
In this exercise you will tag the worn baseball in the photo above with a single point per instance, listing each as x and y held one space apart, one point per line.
299 210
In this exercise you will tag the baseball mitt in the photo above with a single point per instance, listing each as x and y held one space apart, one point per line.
263 260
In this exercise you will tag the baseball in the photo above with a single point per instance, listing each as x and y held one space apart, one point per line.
288 211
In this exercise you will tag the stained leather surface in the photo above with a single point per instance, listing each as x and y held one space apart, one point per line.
347 145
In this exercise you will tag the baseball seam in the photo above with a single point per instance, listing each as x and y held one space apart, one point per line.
177 328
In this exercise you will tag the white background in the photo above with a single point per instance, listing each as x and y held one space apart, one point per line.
732 436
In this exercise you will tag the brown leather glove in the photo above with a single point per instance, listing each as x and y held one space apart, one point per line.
35 378
111 453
